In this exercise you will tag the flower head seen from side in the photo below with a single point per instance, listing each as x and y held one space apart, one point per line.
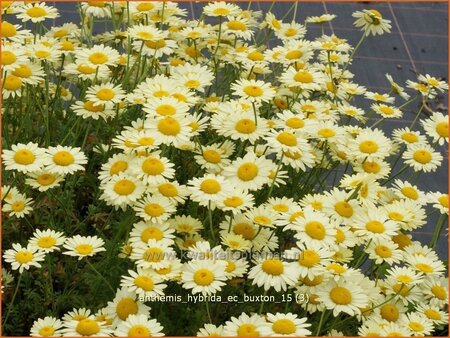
372 22
83 246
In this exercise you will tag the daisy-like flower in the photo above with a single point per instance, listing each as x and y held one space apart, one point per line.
305 78
221 9
320 19
19 206
118 163
171 130
209 189
433 313
375 223
263 216
436 126
64 160
146 284
139 326
439 201
244 325
371 22
23 257
83 246
153 169
285 325
46 327
253 90
382 250
273 272
36 12
47 240
98 55
124 305
210 330
396 88
250 172
311 259
91 109
426 265
97 9
370 144
343 296
407 136
422 157
291 31
155 254
433 82
185 224
43 180
24 158
193 77
11 86
105 94
86 327
236 202
242 126
235 242
154 208
314 227
418 324
165 106
379 97
204 276
386 111
122 190
435 290
236 268
408 191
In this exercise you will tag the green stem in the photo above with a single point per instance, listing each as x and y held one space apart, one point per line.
437 230
12 301
208 311
261 307
320 323
101 276
211 228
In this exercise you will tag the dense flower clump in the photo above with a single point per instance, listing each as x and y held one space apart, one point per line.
203 159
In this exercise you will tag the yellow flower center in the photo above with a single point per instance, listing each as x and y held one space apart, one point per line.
309 258
409 137
46 242
166 109
284 326
255 56
155 44
294 54
416 326
263 220
23 71
24 256
12 82
153 166
303 77
124 187
387 110
443 200
315 230
125 307
295 123
404 279
47 331
410 192
326 132
383 251
439 292
233 201
247 330
154 210
336 268
67 45
371 167
24 157
18 206
231 266
42 54
84 249
290 32
8 30
389 312
203 277
168 190
236 26
85 69
118 167
340 295
422 156
245 230
153 255
280 207
145 6
139 331
63 158
375 227
105 94
287 139
8 58
425 268
160 93
432 314
253 91
221 11
36 12
368 147
344 209
210 186
340 236
99 4
273 267
60 33
144 282
98 58
87 327
312 282
247 171
212 156
169 126
395 216
151 233
401 289
245 126
442 129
